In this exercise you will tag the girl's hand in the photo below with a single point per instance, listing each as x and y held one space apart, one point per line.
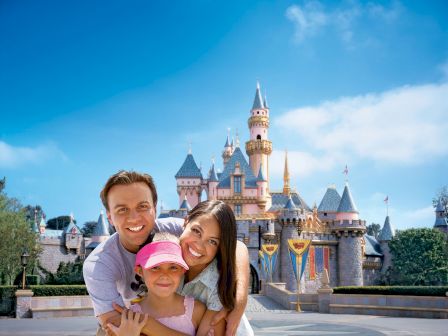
130 324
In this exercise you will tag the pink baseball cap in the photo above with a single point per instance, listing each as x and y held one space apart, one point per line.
160 252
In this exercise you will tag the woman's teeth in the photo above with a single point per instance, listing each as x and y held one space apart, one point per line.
136 229
194 253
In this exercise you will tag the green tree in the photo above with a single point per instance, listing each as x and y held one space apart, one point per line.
373 229
419 258
16 237
59 223
67 274
88 228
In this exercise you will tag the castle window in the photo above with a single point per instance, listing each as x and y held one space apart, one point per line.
325 214
237 209
258 137
237 184
258 112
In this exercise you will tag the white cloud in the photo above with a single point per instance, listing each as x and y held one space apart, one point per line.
311 18
301 164
12 157
405 125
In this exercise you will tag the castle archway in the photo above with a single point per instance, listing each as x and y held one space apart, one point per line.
254 281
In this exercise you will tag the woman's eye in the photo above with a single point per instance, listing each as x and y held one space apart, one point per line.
195 230
213 242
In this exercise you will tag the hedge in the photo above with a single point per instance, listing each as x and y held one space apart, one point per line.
7 300
393 290
59 290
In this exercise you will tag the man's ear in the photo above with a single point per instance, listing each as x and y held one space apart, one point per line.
109 218
138 270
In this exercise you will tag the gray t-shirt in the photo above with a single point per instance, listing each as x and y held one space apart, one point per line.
109 269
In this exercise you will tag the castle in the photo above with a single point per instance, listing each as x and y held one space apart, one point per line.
338 233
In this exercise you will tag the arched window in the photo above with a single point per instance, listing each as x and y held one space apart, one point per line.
258 137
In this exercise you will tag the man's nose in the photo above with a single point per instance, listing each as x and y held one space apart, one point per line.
133 215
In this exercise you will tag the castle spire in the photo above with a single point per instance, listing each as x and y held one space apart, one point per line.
258 101
286 187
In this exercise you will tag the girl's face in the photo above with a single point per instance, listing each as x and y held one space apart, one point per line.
200 241
162 280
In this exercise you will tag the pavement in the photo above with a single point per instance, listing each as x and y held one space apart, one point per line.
266 317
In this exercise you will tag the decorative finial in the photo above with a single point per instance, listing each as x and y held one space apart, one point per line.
189 147
237 139
386 200
101 212
286 186
258 84
213 159
346 173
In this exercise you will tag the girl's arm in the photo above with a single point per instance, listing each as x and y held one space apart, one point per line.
205 326
198 312
153 327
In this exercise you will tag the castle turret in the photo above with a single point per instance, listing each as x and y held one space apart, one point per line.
213 181
259 148
101 231
329 205
228 149
441 222
350 231
189 181
385 236
73 236
42 226
292 220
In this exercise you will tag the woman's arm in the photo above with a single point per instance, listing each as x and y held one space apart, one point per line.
205 326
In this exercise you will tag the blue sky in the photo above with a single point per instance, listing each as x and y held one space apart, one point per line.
88 88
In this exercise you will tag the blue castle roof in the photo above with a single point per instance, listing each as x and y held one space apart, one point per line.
441 220
373 247
72 228
290 204
185 205
347 204
101 228
260 176
331 200
387 232
279 201
258 101
237 156
213 177
189 168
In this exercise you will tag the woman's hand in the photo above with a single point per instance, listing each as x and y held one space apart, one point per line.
131 324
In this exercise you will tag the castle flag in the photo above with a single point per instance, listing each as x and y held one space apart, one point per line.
270 254
298 251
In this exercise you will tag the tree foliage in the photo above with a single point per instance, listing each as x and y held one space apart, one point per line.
419 257
373 229
16 237
67 274
33 212
88 228
59 223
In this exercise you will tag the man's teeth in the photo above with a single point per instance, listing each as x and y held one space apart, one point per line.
136 228
194 253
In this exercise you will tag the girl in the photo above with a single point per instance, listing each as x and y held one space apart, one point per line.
161 266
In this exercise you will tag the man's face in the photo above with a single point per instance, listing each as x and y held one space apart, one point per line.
132 213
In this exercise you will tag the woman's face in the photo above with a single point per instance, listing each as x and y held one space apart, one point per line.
200 241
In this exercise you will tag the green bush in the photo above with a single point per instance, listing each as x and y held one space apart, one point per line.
7 300
32 280
393 290
59 290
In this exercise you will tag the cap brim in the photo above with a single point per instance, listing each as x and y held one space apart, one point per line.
165 258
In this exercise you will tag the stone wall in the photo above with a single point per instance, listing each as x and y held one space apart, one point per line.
350 260
53 253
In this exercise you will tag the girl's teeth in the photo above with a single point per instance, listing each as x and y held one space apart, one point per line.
136 229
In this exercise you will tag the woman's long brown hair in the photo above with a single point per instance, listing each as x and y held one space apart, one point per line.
227 245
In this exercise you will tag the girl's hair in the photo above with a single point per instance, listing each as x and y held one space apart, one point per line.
227 245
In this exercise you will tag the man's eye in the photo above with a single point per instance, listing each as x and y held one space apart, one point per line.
144 207
122 211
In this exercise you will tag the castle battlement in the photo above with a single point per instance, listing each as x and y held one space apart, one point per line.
347 224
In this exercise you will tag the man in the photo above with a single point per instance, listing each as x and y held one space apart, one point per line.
130 199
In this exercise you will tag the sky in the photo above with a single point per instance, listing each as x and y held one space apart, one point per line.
89 88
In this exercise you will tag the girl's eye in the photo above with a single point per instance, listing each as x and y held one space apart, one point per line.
174 268
155 268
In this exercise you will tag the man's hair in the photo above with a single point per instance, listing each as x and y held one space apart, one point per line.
125 177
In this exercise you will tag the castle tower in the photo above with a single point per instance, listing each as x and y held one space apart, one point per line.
101 231
286 187
328 207
212 189
385 236
350 231
291 220
441 222
258 148
228 150
73 236
42 226
189 181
